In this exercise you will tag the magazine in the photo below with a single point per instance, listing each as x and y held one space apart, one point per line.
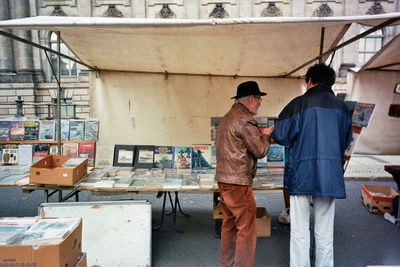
362 114
182 158
201 157
47 130
31 131
76 130
17 130
86 150
163 157
91 130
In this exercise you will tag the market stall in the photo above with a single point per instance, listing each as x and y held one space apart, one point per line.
159 81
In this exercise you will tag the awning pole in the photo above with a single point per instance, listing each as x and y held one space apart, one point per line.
321 47
52 68
59 95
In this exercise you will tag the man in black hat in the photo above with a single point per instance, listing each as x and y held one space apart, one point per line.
239 143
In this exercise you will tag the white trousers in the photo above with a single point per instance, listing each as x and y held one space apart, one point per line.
324 213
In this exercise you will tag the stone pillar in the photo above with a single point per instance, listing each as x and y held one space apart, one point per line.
6 52
298 9
22 52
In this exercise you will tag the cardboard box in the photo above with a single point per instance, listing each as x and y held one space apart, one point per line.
49 170
263 222
54 255
81 261
378 199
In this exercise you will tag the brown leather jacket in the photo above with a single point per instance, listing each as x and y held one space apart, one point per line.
239 144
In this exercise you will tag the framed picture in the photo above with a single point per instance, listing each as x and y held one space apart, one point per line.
124 155
144 157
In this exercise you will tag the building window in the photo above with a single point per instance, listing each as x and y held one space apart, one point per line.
369 45
68 67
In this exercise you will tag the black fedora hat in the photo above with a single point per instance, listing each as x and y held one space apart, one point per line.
248 88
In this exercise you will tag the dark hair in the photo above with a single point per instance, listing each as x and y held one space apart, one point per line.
321 73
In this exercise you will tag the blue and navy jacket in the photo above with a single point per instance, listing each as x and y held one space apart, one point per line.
316 129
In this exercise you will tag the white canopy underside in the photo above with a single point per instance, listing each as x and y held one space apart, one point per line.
244 46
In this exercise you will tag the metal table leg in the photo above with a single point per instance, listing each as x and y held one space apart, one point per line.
179 205
174 214
172 204
162 214
175 206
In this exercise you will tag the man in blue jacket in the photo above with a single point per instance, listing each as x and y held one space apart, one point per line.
316 128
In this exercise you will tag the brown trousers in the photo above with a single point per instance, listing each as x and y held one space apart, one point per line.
238 232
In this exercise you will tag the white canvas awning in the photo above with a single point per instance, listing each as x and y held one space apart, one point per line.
388 58
262 47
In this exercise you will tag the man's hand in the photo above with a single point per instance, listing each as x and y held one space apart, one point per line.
268 131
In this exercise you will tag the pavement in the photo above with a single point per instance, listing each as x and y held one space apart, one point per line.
360 237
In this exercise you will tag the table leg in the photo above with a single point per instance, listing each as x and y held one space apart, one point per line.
174 207
172 204
179 206
162 214
174 215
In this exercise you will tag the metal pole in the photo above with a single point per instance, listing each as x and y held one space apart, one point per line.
59 95
321 48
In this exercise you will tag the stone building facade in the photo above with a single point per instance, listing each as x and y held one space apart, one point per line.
25 71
